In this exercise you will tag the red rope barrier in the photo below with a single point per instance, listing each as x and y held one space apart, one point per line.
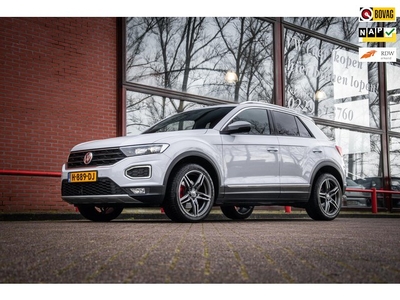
30 173
374 197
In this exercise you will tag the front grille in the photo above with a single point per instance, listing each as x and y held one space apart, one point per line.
103 157
104 186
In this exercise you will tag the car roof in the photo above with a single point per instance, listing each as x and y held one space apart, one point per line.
258 104
274 107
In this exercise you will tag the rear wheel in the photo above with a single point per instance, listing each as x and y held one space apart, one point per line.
326 198
100 213
190 194
237 212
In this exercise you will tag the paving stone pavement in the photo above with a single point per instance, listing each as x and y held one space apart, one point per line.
262 250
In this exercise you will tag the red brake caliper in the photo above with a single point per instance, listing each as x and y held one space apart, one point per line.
182 191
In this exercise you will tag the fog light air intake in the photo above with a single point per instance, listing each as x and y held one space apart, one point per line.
139 172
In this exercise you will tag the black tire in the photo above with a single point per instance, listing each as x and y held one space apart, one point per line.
190 194
100 213
326 198
167 212
237 212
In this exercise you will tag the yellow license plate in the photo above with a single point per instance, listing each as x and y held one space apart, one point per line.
90 176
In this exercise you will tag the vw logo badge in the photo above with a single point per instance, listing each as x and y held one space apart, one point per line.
87 158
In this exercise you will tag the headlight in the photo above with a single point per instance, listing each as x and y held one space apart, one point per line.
144 149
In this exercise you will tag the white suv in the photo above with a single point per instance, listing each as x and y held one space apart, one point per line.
234 156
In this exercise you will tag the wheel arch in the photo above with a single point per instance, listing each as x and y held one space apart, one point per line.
331 169
197 158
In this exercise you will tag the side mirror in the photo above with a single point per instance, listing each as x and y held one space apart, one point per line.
237 127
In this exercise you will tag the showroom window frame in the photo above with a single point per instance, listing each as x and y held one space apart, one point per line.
279 26
383 130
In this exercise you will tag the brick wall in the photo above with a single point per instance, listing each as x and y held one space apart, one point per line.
58 87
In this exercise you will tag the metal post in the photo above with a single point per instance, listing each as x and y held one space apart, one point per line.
374 201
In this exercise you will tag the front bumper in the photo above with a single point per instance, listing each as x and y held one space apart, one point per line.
105 191
114 185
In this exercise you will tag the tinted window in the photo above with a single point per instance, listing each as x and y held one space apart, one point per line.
285 124
258 118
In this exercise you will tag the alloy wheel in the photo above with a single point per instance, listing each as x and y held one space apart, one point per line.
329 197
195 193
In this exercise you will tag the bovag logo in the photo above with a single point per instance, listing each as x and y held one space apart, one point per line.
377 14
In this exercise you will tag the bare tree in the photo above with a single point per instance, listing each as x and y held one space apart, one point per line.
297 49
165 51
249 48
175 53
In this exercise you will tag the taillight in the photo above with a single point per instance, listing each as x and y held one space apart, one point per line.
339 149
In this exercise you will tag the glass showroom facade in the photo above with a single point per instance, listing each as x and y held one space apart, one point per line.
310 65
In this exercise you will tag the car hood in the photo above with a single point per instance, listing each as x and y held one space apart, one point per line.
161 137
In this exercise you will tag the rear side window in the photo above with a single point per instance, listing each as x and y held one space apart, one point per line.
286 124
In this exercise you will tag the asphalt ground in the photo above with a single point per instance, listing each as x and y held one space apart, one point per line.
144 247
215 214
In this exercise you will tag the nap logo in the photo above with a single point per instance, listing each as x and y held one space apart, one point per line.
377 54
377 14
377 34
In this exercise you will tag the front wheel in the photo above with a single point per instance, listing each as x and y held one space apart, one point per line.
99 213
190 194
326 198
237 212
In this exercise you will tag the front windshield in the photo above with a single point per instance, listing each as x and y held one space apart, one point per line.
192 119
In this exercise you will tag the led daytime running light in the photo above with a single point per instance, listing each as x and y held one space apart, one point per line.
144 149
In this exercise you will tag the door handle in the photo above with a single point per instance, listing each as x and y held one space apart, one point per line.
317 151
272 150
